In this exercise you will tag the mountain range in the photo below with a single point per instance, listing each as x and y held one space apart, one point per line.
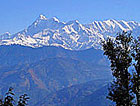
43 73
70 35
60 63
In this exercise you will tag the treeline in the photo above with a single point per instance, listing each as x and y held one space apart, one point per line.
9 100
124 55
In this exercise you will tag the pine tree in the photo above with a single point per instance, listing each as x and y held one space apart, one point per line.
23 99
119 53
9 99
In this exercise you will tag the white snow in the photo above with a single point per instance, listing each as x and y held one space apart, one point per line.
70 35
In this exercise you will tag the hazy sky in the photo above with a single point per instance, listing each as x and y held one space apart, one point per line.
16 15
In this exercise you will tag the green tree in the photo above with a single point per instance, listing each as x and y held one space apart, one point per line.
119 53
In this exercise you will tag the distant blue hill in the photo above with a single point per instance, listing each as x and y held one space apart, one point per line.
91 93
42 71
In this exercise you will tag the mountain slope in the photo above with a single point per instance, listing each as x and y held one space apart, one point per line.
16 54
91 93
41 71
70 35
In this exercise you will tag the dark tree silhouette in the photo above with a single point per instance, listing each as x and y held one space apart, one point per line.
119 53
23 99
136 73
9 99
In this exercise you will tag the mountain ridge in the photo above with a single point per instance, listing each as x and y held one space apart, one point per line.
44 70
70 35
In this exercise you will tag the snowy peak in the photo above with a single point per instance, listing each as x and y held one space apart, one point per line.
5 36
75 22
111 27
42 17
71 35
43 23
55 19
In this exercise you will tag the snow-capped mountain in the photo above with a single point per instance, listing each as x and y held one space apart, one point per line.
71 35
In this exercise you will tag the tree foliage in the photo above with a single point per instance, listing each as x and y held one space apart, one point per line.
9 99
123 53
136 72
